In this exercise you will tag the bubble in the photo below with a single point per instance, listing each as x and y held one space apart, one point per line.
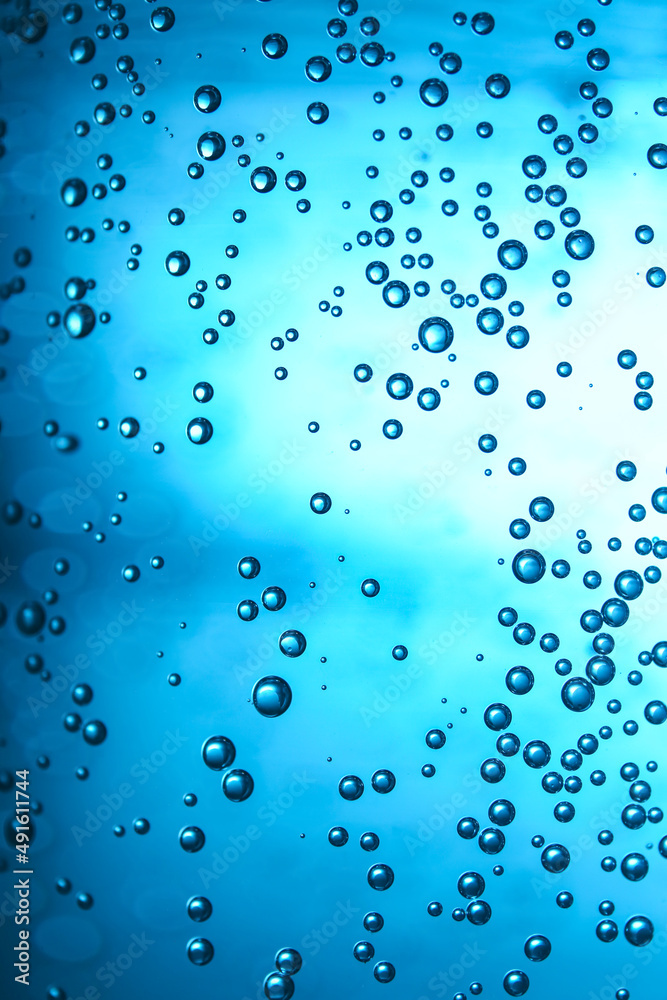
655 277
207 99
237 785
369 841
428 399
519 680
384 972
655 712
162 19
486 383
490 320
30 618
274 46
497 85
338 836
177 263
292 643
392 429
191 839
492 770
600 670
218 753
516 983
271 696
577 694
373 922
363 951
435 334
380 877
606 931
467 828
638 931
659 500
512 254
517 337
248 567
497 717
351 787
73 192
320 503
199 430
278 986
435 739
537 948
370 588
317 113
433 92
482 23
383 781
493 286
94 732
528 566
579 244
263 179
537 754
79 320
199 908
555 858
396 294
634 867
288 961
502 812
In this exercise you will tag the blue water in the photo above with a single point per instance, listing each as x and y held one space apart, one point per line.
160 428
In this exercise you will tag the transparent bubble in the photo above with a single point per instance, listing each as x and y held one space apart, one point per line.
73 192
380 877
263 179
370 588
486 383
278 986
628 584
383 781
634 867
338 836
274 46
638 931
528 566
289 961
199 908
600 670
537 754
392 429
317 113
512 254
579 244
292 643
399 386
428 399
435 334
207 99
396 294
191 839
369 841
577 694
516 983
519 680
320 503
555 858
318 69
482 23
497 85
433 92
537 948
199 430
490 320
200 951
271 696
237 785
435 739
